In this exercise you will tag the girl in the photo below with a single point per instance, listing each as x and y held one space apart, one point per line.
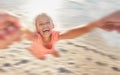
45 37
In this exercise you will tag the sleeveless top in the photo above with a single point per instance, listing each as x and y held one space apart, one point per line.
39 49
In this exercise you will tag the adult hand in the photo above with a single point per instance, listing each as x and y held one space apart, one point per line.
111 22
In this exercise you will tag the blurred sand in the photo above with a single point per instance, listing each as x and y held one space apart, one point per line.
86 55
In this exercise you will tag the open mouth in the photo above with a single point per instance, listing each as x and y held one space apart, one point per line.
46 31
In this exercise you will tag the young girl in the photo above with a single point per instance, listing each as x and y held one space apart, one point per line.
45 37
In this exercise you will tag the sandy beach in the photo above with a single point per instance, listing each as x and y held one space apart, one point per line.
78 57
89 54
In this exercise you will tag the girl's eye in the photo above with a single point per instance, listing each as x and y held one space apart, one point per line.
47 22
41 24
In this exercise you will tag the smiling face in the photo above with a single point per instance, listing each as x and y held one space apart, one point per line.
44 25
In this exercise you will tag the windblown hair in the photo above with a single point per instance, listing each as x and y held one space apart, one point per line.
43 15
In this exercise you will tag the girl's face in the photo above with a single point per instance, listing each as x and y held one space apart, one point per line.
44 26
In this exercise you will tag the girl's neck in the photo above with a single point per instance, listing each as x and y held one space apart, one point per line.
47 40
47 43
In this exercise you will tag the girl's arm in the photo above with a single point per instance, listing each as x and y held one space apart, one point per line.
103 23
27 34
75 32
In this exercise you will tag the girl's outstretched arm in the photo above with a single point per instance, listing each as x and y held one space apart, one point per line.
27 34
108 23
75 32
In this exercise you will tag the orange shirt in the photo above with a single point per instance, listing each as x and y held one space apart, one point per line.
39 50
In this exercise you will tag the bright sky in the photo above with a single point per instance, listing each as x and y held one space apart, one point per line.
36 6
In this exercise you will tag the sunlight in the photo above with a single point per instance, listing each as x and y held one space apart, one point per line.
37 6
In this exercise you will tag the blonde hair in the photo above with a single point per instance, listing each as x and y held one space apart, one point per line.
43 15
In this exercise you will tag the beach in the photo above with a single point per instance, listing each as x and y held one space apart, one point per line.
90 54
